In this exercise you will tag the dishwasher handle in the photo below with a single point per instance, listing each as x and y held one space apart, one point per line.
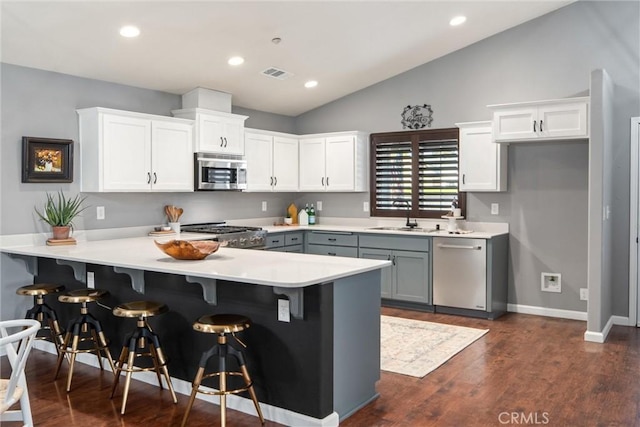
472 247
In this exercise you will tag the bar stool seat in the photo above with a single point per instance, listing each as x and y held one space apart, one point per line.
222 325
141 343
42 312
85 329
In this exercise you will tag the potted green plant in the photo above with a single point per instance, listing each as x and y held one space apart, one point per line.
59 212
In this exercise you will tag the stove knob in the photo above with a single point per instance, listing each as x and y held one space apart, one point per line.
233 243
243 241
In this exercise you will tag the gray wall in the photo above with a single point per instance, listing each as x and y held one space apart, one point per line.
546 202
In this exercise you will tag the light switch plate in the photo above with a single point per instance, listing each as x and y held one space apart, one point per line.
319 205
91 281
365 206
99 212
283 310
264 206
495 209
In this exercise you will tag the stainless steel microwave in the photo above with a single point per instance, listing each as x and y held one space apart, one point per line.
220 172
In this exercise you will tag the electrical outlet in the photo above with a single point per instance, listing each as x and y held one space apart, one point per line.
264 206
91 281
365 206
99 212
283 310
319 205
551 282
495 209
584 294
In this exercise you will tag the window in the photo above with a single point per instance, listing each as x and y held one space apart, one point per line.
415 171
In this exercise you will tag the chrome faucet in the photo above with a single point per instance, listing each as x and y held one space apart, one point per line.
409 224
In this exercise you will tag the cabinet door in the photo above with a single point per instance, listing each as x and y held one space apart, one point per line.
210 134
563 120
384 255
410 276
258 156
171 156
515 123
340 163
126 154
285 164
312 164
482 162
233 136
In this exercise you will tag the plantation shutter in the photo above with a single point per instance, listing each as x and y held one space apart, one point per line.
414 171
438 175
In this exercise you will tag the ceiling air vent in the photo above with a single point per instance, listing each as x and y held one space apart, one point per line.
277 73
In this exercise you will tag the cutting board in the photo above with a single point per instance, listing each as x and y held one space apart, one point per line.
293 213
61 242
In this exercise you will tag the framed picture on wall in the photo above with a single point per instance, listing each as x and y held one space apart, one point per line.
47 159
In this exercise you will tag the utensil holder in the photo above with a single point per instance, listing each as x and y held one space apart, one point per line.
175 226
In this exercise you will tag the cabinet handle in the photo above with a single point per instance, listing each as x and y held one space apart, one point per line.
221 142
155 178
148 177
271 181
294 239
275 181
393 260
534 126
327 181
540 125
322 181
225 141
275 241
331 239
463 176
331 253
477 248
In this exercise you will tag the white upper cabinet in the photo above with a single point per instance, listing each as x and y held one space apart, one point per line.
216 132
333 162
272 161
541 120
483 163
124 151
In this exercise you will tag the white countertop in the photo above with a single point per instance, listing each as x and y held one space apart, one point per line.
287 270
468 234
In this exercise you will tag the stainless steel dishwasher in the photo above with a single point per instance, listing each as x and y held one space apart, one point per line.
460 272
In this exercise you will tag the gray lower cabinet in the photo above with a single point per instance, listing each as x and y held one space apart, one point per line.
285 242
332 243
408 279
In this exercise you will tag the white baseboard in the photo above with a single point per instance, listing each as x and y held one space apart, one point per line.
548 312
601 337
238 403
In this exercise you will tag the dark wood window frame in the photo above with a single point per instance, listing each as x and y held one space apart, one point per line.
416 139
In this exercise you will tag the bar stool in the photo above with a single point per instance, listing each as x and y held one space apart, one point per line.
42 312
141 343
83 329
222 325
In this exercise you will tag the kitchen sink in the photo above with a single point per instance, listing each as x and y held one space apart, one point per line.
414 229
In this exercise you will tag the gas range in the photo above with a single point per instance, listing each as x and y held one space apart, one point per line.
235 236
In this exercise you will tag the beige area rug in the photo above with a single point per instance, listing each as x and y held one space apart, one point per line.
414 347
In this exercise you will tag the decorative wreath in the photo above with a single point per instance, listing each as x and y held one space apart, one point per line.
417 116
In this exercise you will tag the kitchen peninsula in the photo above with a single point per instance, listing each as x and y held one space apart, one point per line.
314 370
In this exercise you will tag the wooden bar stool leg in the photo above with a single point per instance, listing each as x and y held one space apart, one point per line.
192 397
65 344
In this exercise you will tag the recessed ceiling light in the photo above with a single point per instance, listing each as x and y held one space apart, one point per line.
129 31
236 60
457 21
310 84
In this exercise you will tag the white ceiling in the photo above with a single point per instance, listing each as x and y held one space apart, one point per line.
346 46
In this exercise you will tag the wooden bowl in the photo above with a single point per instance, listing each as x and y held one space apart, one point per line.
188 250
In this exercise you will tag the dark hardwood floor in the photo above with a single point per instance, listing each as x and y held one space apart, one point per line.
527 370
